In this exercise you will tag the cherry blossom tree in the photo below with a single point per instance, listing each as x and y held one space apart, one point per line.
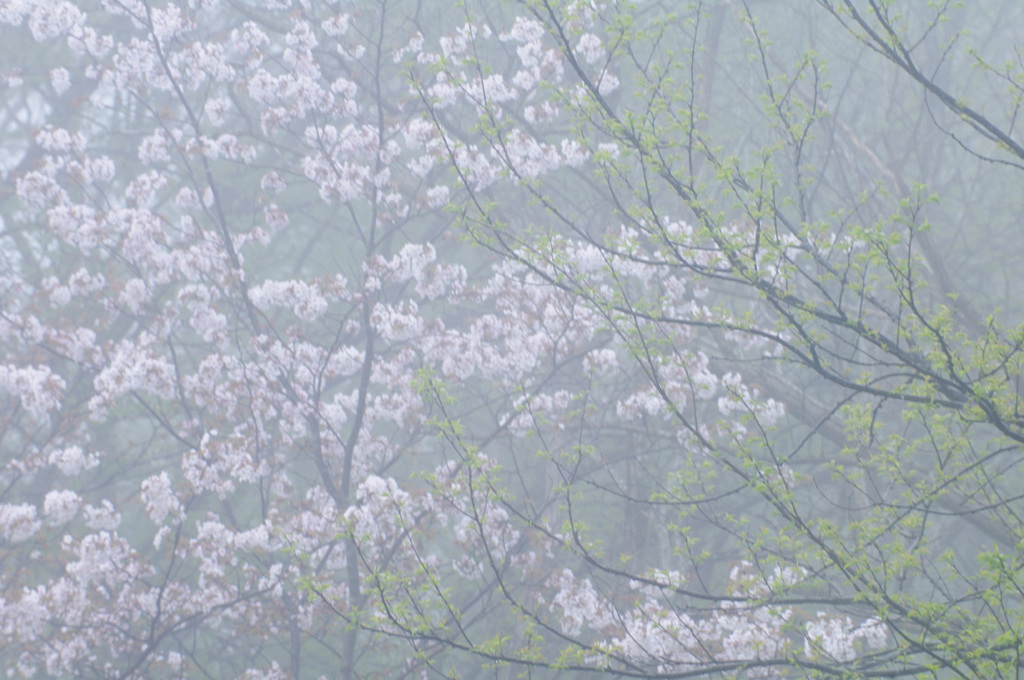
359 338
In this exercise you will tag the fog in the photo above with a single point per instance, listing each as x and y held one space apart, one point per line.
384 338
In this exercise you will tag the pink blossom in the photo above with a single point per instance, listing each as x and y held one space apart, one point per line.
71 460
60 507
590 48
160 499
18 522
38 389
